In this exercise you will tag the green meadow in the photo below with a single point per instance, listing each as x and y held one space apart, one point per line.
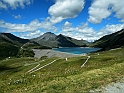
61 76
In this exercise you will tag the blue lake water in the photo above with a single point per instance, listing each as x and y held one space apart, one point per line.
77 50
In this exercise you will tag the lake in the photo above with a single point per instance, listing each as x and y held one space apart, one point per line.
77 50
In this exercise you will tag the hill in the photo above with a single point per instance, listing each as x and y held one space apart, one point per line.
111 41
55 75
11 46
11 39
51 40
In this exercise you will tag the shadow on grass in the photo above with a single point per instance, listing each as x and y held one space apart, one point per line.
6 68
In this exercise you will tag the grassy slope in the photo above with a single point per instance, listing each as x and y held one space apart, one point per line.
111 41
62 76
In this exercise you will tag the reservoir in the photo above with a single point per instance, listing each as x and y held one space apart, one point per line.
77 50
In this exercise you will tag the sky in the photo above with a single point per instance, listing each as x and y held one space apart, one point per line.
80 19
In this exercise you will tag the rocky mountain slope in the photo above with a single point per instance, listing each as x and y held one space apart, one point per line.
11 39
111 41
51 40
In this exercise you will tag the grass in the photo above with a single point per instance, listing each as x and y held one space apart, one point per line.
62 76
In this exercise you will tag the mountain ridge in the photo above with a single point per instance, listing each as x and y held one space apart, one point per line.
52 40
13 46
12 39
111 41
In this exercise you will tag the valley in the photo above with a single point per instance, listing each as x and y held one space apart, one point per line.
62 75
61 46
57 74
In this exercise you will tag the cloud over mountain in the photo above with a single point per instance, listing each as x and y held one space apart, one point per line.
83 31
80 19
31 27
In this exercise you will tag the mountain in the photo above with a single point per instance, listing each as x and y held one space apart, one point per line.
11 45
47 39
111 41
51 40
33 45
64 41
11 39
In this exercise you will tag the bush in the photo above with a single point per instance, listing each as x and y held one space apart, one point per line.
43 57
26 53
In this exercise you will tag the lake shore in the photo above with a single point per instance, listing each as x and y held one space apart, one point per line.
51 53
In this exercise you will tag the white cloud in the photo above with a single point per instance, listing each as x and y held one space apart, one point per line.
31 35
109 29
80 32
31 30
4 4
83 28
17 16
67 27
101 9
85 32
31 27
67 24
63 9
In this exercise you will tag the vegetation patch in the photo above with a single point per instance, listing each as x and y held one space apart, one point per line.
8 50
63 75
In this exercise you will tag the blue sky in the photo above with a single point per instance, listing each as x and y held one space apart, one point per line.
80 19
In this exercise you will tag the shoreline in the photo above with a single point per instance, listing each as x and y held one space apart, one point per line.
52 53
